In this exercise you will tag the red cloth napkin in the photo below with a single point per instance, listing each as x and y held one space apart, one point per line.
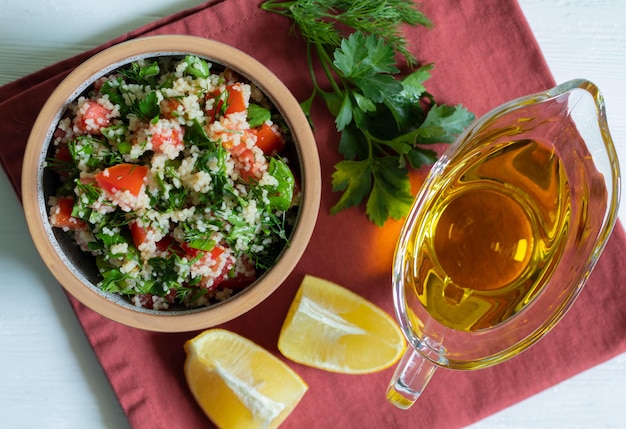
484 54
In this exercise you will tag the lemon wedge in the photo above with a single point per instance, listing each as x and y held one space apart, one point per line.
331 328
239 384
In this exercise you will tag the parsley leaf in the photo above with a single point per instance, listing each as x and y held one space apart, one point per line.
443 124
376 118
147 107
391 193
196 135
362 56
354 178
384 120
145 75
257 115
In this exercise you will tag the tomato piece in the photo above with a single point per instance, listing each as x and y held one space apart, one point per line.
64 164
208 258
268 139
216 252
138 233
61 215
189 251
242 152
247 166
212 113
59 134
238 283
63 154
123 177
91 117
218 103
167 138
222 276
146 300
166 244
236 101
193 253
242 279
169 244
169 108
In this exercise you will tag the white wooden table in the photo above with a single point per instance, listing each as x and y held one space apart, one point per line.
49 376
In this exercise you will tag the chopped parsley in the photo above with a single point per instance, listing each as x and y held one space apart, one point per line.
172 204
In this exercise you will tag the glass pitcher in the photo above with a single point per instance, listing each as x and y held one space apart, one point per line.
503 234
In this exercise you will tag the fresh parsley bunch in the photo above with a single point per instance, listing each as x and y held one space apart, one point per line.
386 122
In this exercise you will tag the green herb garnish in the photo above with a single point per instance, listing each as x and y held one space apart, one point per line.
257 115
385 120
146 74
197 67
147 108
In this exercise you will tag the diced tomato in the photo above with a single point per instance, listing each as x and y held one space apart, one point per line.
216 108
243 279
146 300
237 283
63 161
63 154
166 244
167 138
123 177
217 254
91 117
241 152
98 83
268 139
59 134
139 233
169 244
248 167
190 252
169 107
223 275
213 94
211 114
212 254
61 215
236 101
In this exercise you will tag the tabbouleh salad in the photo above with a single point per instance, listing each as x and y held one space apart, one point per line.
175 178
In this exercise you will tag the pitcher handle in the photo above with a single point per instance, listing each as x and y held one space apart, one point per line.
410 379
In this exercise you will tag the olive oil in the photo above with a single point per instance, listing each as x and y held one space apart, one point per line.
489 235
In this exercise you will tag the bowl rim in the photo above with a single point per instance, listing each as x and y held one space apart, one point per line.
163 45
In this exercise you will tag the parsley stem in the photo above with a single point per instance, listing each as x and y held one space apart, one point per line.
382 119
327 67
278 7
309 60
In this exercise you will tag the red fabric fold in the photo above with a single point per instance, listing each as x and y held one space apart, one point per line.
484 54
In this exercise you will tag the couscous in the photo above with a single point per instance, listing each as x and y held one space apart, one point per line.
174 177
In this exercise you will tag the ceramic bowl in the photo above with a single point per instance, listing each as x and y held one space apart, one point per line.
76 271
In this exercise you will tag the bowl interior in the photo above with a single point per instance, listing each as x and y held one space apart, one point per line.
77 271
